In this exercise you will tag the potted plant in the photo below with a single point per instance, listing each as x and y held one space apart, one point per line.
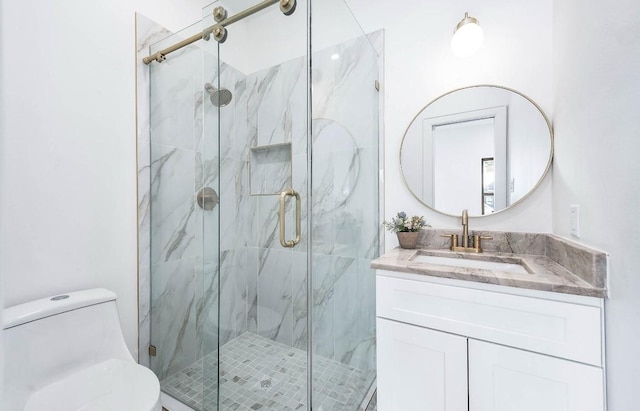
407 229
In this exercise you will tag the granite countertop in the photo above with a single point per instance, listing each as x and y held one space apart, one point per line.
543 273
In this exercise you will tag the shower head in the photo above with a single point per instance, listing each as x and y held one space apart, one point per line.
219 97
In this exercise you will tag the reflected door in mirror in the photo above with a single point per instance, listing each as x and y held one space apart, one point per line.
458 148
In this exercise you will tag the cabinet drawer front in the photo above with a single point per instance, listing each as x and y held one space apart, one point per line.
565 330
508 379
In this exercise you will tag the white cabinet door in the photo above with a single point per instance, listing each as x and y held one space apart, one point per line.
420 369
508 379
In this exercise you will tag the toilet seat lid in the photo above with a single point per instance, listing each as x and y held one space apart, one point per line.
110 385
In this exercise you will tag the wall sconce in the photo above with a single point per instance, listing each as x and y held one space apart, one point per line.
467 37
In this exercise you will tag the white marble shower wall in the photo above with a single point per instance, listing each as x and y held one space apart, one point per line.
229 122
345 192
276 114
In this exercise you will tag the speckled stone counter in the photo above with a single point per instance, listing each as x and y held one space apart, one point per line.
552 263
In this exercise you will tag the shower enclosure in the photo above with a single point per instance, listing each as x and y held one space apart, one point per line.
264 211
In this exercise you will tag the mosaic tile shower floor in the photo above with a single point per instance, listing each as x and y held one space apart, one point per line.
260 374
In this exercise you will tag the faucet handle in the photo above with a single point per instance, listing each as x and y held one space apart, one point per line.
454 240
477 239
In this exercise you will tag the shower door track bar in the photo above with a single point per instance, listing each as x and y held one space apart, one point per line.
218 30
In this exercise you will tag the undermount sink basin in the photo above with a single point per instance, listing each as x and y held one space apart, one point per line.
514 265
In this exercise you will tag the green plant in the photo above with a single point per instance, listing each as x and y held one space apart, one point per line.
401 223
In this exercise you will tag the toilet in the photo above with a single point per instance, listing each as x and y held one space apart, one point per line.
67 353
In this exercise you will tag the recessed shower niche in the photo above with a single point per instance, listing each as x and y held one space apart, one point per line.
270 169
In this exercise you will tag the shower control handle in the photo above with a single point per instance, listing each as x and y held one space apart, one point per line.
283 195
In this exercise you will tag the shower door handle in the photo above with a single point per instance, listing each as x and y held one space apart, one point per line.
283 195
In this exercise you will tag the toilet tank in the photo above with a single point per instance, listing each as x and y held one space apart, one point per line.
49 338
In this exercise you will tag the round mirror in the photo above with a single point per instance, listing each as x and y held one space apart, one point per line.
484 148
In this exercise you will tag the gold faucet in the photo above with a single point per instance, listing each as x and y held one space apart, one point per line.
477 239
465 228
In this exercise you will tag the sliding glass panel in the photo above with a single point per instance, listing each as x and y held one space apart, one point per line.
257 98
345 208
183 203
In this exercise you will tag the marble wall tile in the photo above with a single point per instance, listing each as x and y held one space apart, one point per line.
144 310
173 316
231 201
173 203
344 88
364 354
250 206
227 118
363 205
275 306
323 314
208 234
249 108
300 299
376 39
265 222
335 176
346 321
233 294
280 98
300 184
242 139
252 289
172 98
207 307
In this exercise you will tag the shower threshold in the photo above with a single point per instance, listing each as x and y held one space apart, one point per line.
260 374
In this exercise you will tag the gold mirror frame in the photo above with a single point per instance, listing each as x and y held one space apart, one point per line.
524 197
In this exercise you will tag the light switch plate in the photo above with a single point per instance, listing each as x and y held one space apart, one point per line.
574 220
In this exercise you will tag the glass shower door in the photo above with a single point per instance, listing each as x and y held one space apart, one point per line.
184 225
259 105
345 209
265 212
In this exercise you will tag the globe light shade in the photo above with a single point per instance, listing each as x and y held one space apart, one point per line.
468 37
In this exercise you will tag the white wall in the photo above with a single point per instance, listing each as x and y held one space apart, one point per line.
419 67
1 239
269 38
597 129
68 164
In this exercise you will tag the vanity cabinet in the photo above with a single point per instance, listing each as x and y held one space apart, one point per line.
420 369
457 345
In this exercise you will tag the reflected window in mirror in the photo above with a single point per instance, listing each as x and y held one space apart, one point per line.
487 167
